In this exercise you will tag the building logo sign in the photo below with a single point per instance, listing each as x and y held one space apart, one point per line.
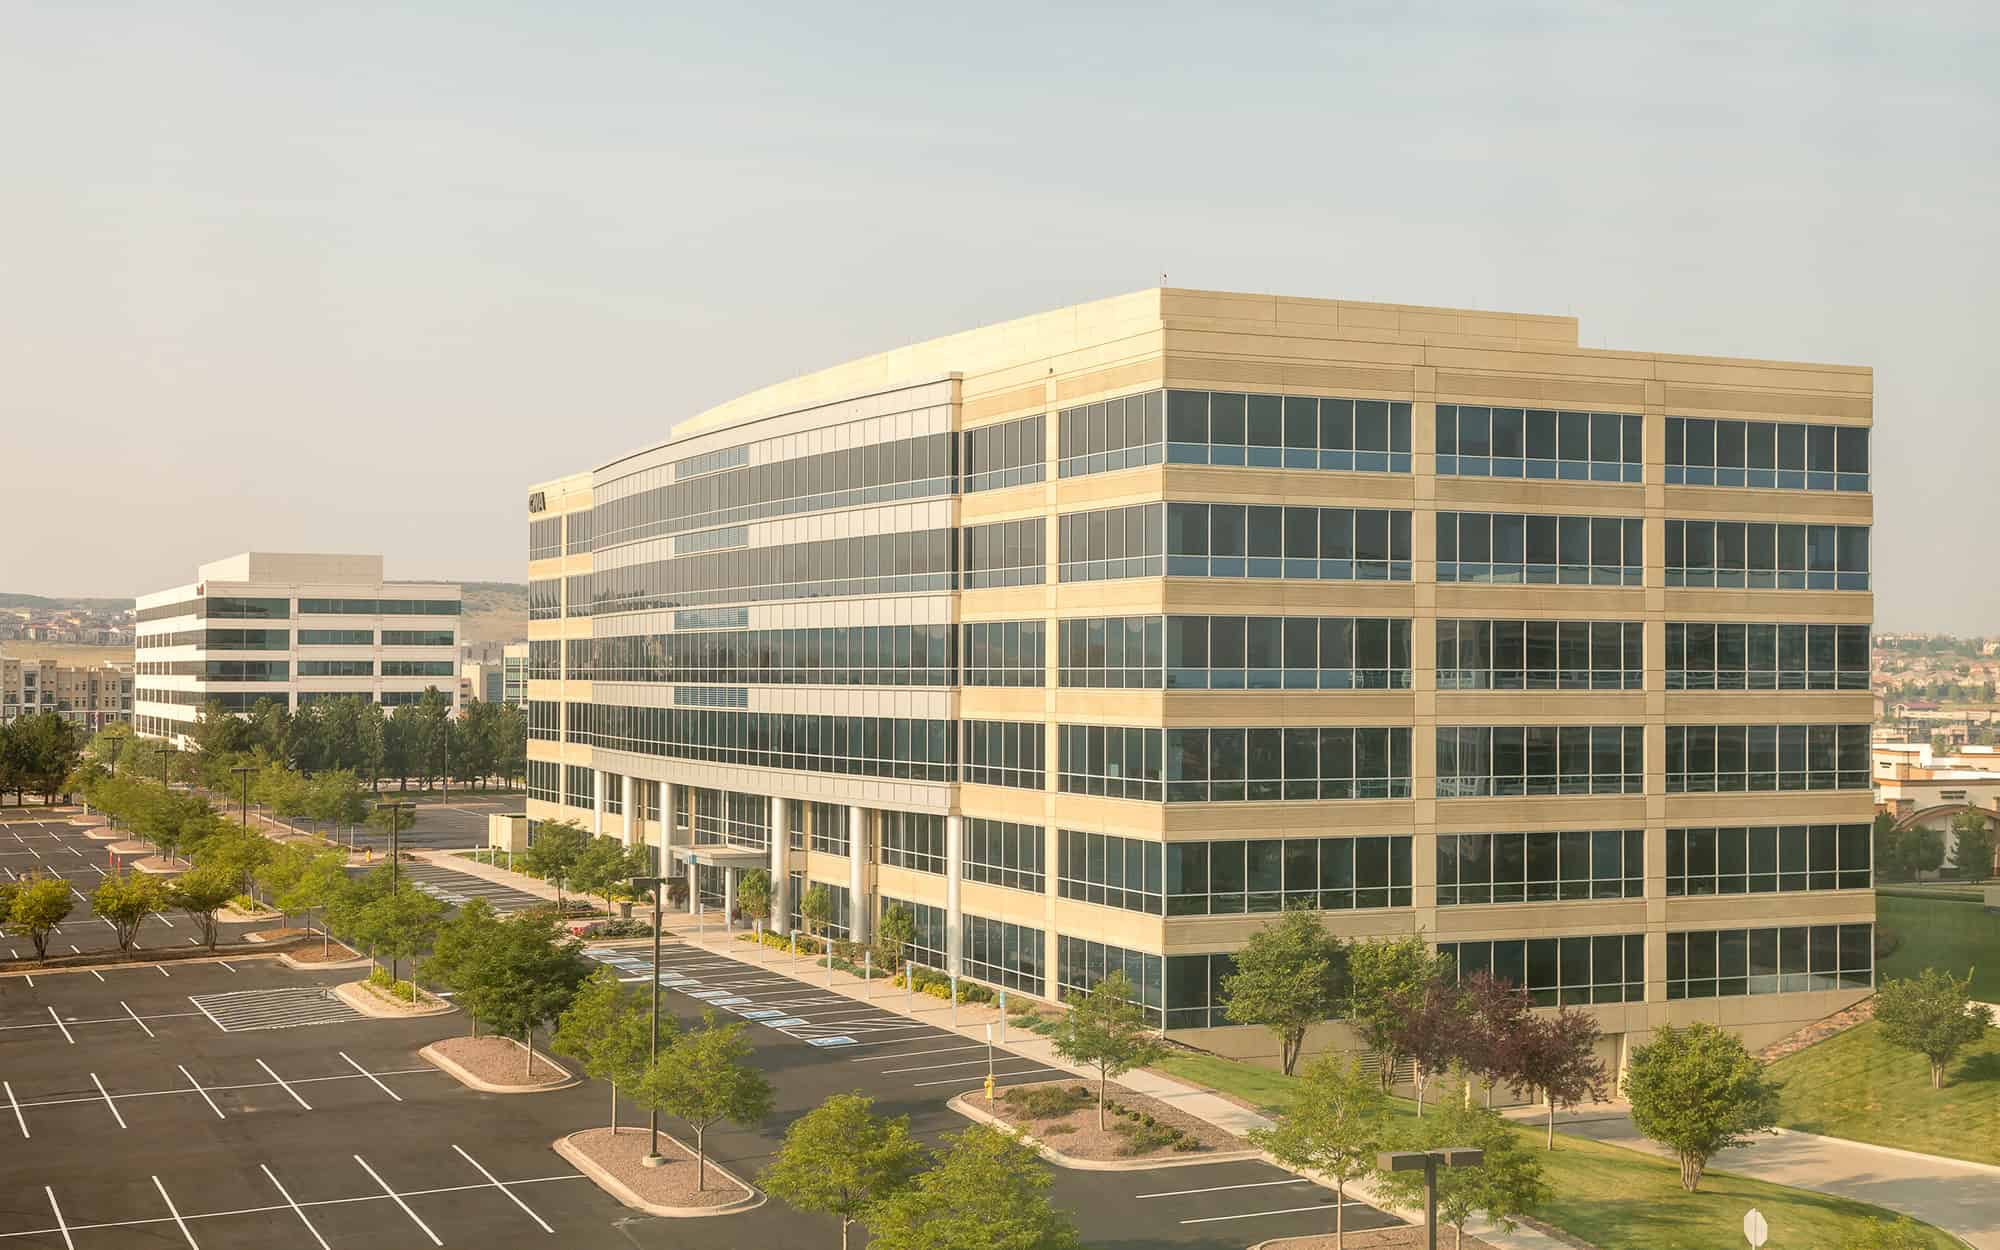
538 502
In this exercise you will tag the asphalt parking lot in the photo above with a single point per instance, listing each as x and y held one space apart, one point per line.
450 886
233 1104
456 826
59 849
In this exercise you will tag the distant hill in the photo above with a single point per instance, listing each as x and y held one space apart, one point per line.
62 603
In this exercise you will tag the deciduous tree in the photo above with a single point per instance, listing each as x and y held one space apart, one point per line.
523 978
1506 1184
1697 1091
40 904
1291 975
1932 1014
987 1191
126 902
1435 1029
1106 1029
1383 975
606 1031
200 892
705 1078
841 1158
317 885
1335 1127
1558 1055
401 923
816 910
893 935
753 896
553 854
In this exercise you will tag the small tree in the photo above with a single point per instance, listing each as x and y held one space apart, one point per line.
1383 975
1434 1028
350 902
201 892
1507 1183
1336 1126
553 854
704 1078
523 978
841 1159
40 904
753 895
1290 976
401 924
1106 1029
816 910
1502 1016
987 1191
281 871
1697 1092
1558 1055
462 942
604 1030
318 883
1933 1015
126 902
603 867
1972 844
893 935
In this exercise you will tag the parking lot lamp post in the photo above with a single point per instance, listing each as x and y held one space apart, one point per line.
164 753
658 885
1428 1162
244 771
396 811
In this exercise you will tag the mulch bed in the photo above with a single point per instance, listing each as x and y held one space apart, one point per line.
671 1185
1076 1133
310 953
1819 1031
499 1061
1407 1237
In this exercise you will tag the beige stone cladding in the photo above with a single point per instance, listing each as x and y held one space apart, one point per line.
1173 340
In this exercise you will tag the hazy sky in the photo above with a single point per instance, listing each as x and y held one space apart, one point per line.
350 277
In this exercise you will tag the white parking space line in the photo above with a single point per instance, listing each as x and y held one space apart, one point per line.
287 1088
175 1212
107 1099
1251 1215
890 1041
16 1104
61 1223
371 1076
204 1093
1216 1189
936 1067
974 1080
94 972
59 1024
225 963
398 1198
503 1189
135 1018
204 1011
163 920
162 971
298 1210
912 1054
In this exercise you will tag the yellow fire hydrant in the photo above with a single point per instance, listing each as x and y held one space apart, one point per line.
989 1087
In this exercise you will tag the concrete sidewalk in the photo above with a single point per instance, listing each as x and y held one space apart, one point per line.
1960 1197
971 1023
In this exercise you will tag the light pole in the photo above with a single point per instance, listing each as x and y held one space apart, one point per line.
395 810
244 771
164 753
653 1157
1428 1162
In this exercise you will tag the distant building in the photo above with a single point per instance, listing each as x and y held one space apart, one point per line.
515 665
294 628
91 695
1920 787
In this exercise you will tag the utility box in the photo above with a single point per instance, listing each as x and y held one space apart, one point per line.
507 833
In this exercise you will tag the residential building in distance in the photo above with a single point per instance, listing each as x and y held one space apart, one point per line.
1098 637
293 628
91 695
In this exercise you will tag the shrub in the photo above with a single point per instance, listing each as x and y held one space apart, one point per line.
379 978
243 902
1055 1130
1139 1140
1045 1102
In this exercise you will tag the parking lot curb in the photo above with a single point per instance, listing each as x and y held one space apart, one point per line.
299 965
457 1072
964 1106
357 995
610 1184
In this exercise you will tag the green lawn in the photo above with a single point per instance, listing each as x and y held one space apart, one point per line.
1938 933
1614 1198
1853 1085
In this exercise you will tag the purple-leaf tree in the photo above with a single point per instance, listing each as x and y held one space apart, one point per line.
1434 1028
1560 1058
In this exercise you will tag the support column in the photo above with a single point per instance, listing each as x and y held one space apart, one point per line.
729 897
857 873
781 863
954 916
670 798
597 797
625 792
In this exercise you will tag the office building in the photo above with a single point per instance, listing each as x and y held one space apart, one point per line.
293 628
1098 637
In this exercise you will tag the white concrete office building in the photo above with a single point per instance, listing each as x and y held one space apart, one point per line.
293 628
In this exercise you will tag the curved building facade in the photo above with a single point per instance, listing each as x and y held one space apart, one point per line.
1099 637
